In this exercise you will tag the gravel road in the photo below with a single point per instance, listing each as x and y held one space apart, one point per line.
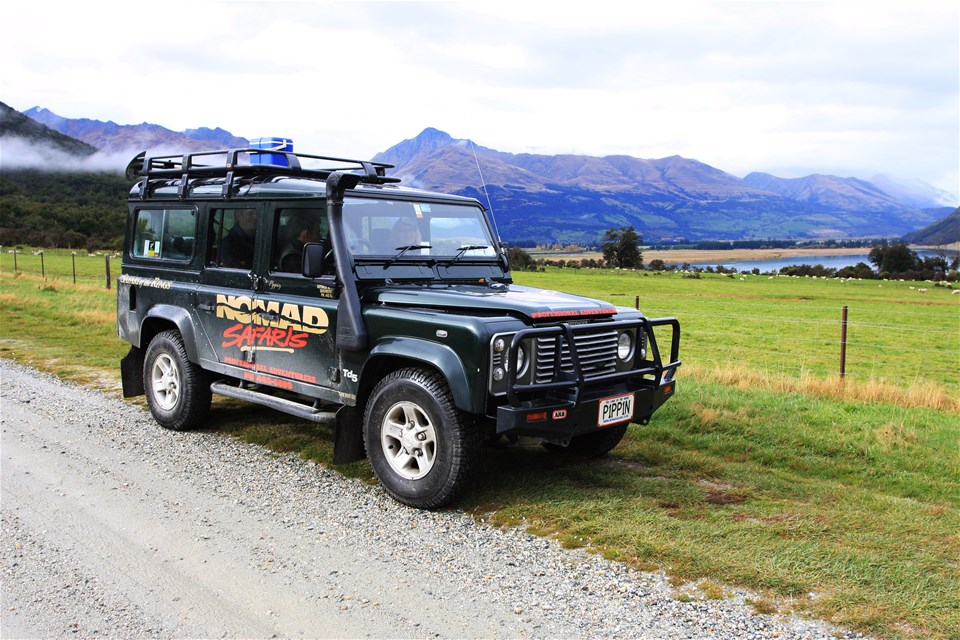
113 527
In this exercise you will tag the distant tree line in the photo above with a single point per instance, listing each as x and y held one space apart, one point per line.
620 247
891 261
62 210
725 245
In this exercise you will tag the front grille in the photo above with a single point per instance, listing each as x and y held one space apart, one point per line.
597 352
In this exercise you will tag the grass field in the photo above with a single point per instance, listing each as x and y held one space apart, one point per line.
762 473
61 265
901 343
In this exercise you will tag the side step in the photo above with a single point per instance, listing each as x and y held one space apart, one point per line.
280 404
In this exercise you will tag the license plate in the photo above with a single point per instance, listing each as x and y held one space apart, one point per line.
613 410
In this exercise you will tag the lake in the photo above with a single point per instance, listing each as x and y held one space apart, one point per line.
830 261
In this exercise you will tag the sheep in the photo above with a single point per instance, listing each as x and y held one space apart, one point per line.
955 292
921 290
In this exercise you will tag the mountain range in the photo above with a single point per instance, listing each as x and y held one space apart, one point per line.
571 199
110 136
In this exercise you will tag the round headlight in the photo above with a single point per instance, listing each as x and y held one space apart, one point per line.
499 345
521 360
624 346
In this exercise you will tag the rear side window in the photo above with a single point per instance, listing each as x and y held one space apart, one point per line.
232 238
165 234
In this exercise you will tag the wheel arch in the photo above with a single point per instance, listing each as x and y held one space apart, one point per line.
159 319
162 317
391 354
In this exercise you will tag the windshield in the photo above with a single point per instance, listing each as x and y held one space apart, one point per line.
406 230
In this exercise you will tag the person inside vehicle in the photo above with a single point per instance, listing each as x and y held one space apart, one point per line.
300 230
236 251
405 233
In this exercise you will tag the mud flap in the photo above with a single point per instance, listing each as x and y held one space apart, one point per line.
131 373
348 438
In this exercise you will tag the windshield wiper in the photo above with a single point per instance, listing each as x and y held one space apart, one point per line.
403 249
467 247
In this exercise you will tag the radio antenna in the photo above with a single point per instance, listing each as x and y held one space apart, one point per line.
483 183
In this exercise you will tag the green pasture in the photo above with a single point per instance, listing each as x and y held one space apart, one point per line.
792 326
61 265
848 510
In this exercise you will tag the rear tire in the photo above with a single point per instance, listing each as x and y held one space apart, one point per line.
421 447
177 391
592 445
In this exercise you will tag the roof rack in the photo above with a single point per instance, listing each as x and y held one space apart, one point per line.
238 163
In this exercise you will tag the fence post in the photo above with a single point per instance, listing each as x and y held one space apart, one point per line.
843 343
73 260
43 271
636 303
14 261
106 262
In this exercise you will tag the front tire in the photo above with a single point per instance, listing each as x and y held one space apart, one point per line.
176 389
419 444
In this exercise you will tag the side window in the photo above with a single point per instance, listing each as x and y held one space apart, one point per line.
165 234
293 229
231 238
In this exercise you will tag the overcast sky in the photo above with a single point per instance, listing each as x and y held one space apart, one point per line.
790 88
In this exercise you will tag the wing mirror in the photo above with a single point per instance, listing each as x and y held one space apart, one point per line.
314 256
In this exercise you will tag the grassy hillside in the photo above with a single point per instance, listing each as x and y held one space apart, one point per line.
843 505
14 124
940 233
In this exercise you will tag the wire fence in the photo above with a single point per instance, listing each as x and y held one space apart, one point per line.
895 345
63 265
900 347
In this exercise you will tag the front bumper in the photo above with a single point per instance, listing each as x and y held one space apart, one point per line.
570 406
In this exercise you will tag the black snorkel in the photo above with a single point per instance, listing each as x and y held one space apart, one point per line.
351 332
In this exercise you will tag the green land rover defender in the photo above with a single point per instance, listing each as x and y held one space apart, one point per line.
320 287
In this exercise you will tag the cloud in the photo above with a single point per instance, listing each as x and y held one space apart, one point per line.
841 86
19 153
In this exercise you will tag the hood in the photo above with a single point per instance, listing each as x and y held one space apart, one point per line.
536 304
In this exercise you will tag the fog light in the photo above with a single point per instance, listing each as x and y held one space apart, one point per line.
498 374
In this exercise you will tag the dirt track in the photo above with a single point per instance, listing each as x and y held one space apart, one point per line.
114 527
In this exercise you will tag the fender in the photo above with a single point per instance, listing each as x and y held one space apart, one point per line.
441 357
180 317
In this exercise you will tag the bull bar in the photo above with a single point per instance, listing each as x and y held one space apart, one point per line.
648 374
